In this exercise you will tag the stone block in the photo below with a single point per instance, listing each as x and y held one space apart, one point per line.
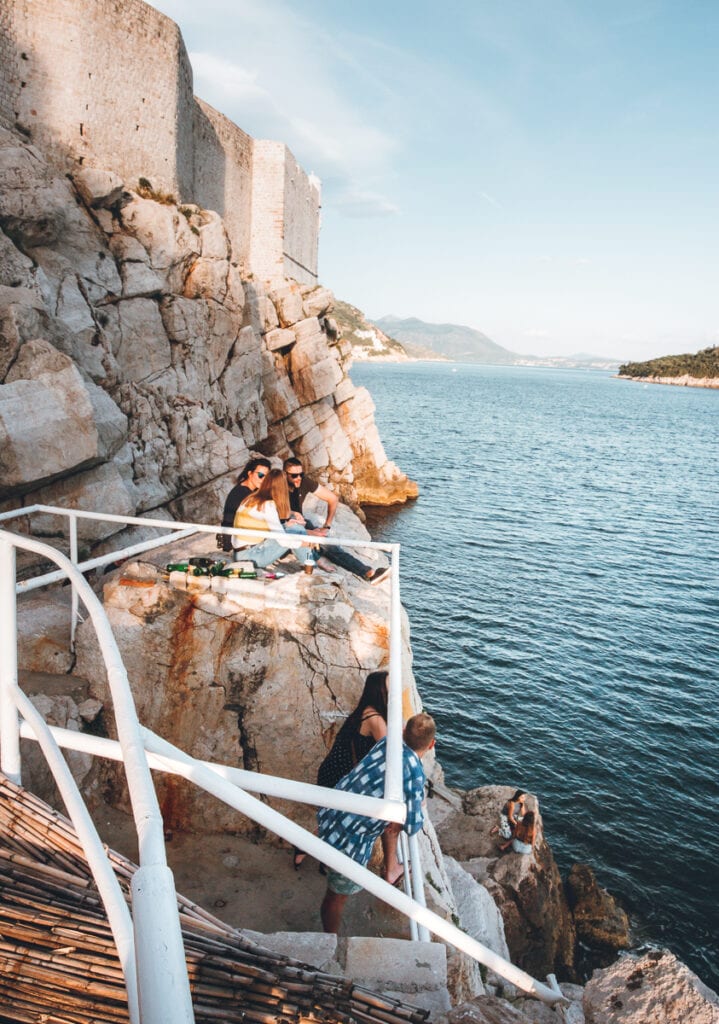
162 231
278 395
316 381
213 237
16 269
654 987
397 964
299 423
142 349
313 948
307 329
318 302
43 632
344 391
288 303
260 312
60 434
98 188
280 337
101 489
140 280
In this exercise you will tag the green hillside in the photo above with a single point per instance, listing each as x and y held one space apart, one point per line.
368 341
702 364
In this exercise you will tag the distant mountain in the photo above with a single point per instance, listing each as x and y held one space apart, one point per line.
450 341
467 345
703 365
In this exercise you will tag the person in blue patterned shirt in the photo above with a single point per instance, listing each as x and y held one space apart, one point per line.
355 834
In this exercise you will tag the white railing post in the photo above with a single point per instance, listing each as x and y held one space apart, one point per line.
415 860
394 789
118 915
407 882
74 598
9 721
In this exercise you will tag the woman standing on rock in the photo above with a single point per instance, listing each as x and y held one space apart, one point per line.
365 726
264 510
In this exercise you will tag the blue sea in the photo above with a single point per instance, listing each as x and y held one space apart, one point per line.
561 574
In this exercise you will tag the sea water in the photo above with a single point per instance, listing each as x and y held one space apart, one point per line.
560 570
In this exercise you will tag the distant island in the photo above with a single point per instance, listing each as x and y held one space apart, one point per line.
698 370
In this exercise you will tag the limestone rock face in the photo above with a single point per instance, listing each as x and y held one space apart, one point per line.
167 366
655 987
600 921
258 675
48 425
528 890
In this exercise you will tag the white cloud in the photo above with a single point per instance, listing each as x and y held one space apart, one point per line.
356 202
490 199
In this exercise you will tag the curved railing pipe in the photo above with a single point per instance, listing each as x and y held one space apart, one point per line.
163 985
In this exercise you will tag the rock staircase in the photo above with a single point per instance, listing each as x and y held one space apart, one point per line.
412 972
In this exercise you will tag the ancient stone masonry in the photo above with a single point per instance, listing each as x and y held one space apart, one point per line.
151 367
109 85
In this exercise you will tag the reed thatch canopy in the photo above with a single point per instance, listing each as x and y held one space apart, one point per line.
58 963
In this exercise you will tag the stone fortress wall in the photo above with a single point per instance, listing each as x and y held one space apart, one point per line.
108 84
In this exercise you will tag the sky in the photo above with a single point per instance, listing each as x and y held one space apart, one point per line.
545 171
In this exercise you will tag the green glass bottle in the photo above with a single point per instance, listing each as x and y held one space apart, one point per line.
177 567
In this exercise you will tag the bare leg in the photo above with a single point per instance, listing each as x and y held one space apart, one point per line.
331 911
392 867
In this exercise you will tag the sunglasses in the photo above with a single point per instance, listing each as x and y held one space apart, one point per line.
261 474
294 476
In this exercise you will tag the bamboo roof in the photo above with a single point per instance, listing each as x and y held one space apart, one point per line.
59 965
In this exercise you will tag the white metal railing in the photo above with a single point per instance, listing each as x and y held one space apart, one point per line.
182 530
152 955
156 925
216 780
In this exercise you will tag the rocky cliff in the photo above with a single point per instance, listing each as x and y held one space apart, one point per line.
138 369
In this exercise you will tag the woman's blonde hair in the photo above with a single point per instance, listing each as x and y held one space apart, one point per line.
273 488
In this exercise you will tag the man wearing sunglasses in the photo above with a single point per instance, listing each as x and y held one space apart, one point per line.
300 485
248 481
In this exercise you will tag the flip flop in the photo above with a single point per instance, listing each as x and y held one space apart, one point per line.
399 880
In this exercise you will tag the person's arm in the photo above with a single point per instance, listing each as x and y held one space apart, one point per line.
328 496
511 811
269 514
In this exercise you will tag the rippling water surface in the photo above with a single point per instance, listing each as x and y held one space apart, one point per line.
561 572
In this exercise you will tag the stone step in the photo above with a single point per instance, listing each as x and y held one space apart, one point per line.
414 972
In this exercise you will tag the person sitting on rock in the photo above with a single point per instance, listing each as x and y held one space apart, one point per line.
524 834
300 486
355 834
248 481
264 510
510 816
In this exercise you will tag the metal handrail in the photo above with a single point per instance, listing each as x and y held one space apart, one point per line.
179 530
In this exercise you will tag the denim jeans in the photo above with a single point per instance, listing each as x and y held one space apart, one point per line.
343 558
270 550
